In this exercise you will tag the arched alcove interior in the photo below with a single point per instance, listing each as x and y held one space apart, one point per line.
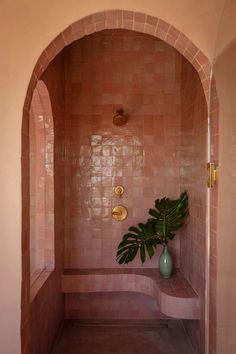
188 135
41 136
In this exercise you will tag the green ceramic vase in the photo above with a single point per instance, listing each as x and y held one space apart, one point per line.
165 263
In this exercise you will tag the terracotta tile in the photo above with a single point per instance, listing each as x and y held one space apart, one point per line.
68 34
128 15
59 42
198 127
170 40
100 25
152 20
163 26
150 29
192 49
99 17
111 15
75 27
88 21
128 24
173 32
161 33
140 17
89 29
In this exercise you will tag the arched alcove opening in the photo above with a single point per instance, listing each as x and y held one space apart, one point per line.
41 136
111 20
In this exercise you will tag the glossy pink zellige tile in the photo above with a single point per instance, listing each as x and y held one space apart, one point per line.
99 17
140 17
173 32
143 140
128 15
194 106
152 20
88 21
112 15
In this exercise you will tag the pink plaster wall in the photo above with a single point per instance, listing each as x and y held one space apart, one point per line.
105 71
46 308
223 270
194 180
199 20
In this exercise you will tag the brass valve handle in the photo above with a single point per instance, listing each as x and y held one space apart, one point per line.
119 213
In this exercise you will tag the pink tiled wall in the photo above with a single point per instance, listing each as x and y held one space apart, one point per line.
46 310
194 180
106 71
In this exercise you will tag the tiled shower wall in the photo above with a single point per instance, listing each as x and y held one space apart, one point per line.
194 180
166 130
48 305
141 74
111 305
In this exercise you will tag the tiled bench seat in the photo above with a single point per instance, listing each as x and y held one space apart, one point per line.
175 296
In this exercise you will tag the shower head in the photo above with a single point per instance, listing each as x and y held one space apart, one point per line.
119 118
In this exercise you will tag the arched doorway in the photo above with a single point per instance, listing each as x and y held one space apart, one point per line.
131 21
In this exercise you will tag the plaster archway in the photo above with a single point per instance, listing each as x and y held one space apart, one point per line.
112 19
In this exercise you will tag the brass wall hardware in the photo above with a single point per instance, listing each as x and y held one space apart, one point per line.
119 118
119 213
119 191
212 174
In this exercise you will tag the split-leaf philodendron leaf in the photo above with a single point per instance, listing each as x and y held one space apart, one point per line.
167 217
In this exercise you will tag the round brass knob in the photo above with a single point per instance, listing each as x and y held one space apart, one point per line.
119 213
119 191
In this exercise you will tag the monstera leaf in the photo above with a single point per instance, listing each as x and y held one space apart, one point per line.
140 239
168 216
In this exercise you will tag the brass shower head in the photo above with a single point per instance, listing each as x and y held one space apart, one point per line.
119 118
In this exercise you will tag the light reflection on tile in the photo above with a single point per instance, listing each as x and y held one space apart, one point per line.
138 156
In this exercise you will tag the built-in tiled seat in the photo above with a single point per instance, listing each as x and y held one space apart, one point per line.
175 297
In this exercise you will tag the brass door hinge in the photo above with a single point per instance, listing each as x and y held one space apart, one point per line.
212 174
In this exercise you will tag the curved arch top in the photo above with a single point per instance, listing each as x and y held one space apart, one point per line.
122 19
42 99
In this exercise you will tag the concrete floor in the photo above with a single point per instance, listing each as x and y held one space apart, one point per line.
156 337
